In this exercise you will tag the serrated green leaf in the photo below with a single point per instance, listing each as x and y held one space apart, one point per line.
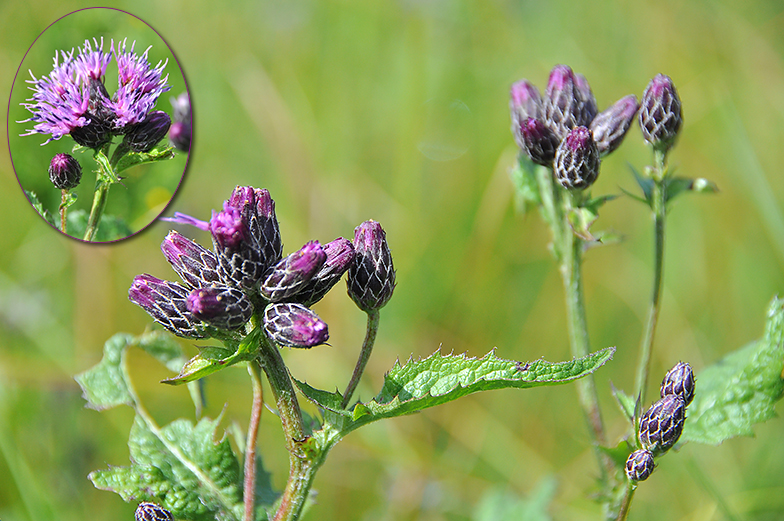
164 347
741 389
40 207
105 385
324 399
437 379
161 152
619 454
182 467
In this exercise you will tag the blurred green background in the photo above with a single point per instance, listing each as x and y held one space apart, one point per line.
396 110
145 190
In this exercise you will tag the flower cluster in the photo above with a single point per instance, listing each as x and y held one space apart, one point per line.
564 129
73 100
245 274
662 423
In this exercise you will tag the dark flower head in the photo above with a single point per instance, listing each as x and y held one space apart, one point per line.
568 103
228 228
293 273
65 172
577 161
222 307
142 137
538 141
639 465
679 381
524 101
140 85
239 259
152 512
294 325
258 211
661 113
166 303
371 278
662 424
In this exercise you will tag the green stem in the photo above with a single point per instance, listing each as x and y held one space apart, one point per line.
302 467
63 210
626 503
658 206
364 355
100 198
249 488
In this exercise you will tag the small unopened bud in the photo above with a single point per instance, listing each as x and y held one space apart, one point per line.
340 256
293 273
537 141
610 126
661 113
639 465
294 325
565 106
589 108
240 261
166 303
258 211
662 424
194 263
222 307
679 381
143 136
65 172
577 160
152 512
371 278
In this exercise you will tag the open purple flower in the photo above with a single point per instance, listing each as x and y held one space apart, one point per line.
140 85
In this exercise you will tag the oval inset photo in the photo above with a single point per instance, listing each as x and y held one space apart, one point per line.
99 125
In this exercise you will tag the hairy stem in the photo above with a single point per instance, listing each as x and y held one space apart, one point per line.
63 209
623 512
249 485
658 206
364 356
302 468
100 198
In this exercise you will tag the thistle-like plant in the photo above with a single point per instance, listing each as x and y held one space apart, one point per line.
73 100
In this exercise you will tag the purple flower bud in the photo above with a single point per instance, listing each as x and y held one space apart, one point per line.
181 129
565 106
639 465
577 160
196 265
679 381
610 127
65 172
293 273
142 137
239 259
152 512
258 211
371 278
661 114
166 303
538 141
340 255
524 102
590 108
222 307
662 424
294 325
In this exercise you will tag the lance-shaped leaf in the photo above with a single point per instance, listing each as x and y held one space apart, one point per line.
437 379
181 467
741 389
159 153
